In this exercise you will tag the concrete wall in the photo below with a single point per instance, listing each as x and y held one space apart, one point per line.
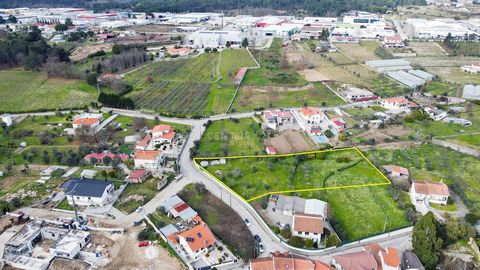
456 147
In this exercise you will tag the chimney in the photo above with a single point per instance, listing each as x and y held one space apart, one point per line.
286 254
277 253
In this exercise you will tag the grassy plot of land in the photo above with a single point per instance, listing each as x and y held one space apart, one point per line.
255 177
136 195
429 162
359 52
231 137
363 112
222 219
362 211
29 91
471 141
441 88
315 94
270 71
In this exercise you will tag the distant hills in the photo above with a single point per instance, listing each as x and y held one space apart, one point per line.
311 7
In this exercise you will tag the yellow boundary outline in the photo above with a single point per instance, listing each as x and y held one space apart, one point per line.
289 155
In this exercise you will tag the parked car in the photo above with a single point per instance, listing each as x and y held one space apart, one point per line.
247 222
261 249
139 209
143 243
257 238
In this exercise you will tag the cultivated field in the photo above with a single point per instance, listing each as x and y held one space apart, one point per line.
24 91
232 137
291 141
359 52
429 162
202 84
314 94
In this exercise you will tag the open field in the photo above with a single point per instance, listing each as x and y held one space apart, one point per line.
232 137
255 177
136 195
361 209
291 141
315 94
429 162
223 221
195 86
29 91
359 52
427 49
85 50
440 88
471 141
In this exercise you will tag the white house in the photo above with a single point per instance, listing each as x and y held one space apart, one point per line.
70 245
434 113
275 118
90 120
147 159
312 115
163 134
397 103
88 192
393 42
307 226
473 68
434 192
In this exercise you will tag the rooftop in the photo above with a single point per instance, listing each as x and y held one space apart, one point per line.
86 187
308 223
431 188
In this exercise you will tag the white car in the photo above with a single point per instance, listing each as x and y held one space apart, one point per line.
139 209
261 249
247 222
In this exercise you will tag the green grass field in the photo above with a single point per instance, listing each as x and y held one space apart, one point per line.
440 88
196 86
228 137
252 178
251 98
29 91
472 140
147 190
429 162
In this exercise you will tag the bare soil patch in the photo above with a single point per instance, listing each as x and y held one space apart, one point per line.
64 264
84 51
313 75
290 141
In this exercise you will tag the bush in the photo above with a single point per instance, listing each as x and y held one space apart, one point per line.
332 241
286 233
296 241
308 243
276 229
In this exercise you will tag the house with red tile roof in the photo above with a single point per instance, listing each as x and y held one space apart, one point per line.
276 118
362 260
308 226
393 42
396 171
433 192
147 159
397 103
162 134
387 259
138 176
287 261
90 120
312 115
143 143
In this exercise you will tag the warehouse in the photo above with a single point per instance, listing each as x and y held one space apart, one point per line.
215 38
389 65
422 74
435 29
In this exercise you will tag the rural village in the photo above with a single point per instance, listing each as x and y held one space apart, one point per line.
212 140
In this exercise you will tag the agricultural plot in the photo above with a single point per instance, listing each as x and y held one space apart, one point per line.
359 52
353 188
195 86
232 137
429 162
24 91
441 88
471 140
314 94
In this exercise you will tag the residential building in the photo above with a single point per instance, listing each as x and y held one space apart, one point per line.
179 51
410 261
286 261
358 94
387 259
100 156
312 115
429 191
396 171
397 103
147 159
308 226
138 176
88 192
163 134
195 242
473 68
316 130
271 150
275 118
435 113
177 208
143 143
89 120
338 124
70 245
362 260
393 42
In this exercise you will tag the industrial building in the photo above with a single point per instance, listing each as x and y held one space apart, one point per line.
471 91
389 65
215 38
435 29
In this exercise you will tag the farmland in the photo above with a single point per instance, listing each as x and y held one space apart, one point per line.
429 162
195 86
361 210
256 177
31 91
314 94
231 137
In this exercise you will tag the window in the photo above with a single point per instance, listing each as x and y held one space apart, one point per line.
307 233
315 233
300 232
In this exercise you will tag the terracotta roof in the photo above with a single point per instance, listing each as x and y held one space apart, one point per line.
162 128
400 170
375 249
144 142
200 235
396 100
308 223
137 174
101 156
309 111
391 257
181 206
362 260
431 188
85 121
287 261
169 135
393 38
178 50
271 149
146 154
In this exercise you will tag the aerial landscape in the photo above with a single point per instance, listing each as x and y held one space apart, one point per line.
253 135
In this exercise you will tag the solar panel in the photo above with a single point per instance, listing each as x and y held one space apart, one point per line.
190 239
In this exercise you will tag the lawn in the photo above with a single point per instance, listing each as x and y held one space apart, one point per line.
146 191
317 94
231 137
360 113
200 85
430 162
24 91
440 88
222 220
252 178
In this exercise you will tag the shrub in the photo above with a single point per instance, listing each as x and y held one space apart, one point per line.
286 233
308 243
276 229
296 241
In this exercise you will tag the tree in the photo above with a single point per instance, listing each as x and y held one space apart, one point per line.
61 27
200 188
12 19
92 79
332 240
68 22
228 44
285 233
308 243
425 241
2 20
107 160
245 42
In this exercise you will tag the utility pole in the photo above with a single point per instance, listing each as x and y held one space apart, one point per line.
74 205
